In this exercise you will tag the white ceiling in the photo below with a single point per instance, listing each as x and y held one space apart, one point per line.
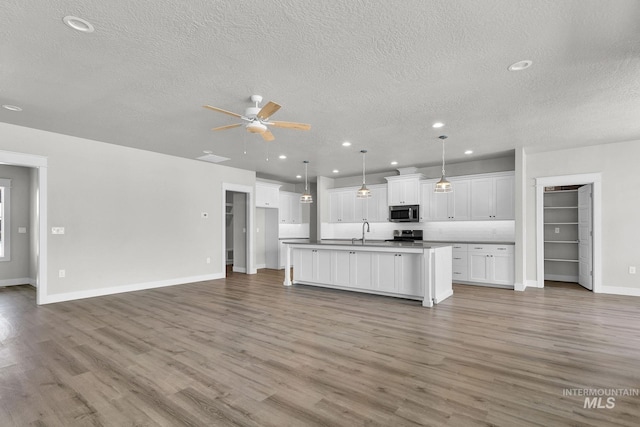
376 73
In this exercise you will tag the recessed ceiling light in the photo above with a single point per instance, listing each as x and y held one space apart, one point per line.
437 125
298 176
394 163
468 152
11 107
346 144
282 156
520 65
78 24
336 171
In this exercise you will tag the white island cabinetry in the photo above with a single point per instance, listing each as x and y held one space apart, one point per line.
410 271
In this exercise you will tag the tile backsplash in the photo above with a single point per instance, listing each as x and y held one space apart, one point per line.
498 231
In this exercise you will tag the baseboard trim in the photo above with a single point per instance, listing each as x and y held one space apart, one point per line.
519 287
70 296
16 282
532 284
261 266
618 290
239 269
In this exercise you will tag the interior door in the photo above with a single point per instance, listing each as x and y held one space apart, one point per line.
585 239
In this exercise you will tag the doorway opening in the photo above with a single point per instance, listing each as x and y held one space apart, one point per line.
568 231
237 238
29 225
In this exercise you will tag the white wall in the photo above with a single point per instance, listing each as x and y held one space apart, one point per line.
17 269
239 232
618 164
260 242
132 217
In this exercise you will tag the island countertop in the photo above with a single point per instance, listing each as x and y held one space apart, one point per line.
369 243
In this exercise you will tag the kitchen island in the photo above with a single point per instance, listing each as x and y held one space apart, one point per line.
412 270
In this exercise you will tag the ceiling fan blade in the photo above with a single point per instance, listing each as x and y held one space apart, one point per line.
290 125
268 110
267 136
220 110
227 126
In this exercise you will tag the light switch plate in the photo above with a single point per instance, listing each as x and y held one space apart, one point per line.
22 230
632 269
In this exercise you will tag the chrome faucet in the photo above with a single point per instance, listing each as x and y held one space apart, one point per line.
368 229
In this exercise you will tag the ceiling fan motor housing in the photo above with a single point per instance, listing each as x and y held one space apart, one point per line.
256 127
252 112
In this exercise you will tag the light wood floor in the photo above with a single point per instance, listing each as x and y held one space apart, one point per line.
246 351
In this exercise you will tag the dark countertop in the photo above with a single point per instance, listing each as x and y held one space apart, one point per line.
385 244
473 242
369 243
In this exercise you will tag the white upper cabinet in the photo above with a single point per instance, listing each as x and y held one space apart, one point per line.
267 195
290 211
377 207
344 206
403 189
452 206
492 197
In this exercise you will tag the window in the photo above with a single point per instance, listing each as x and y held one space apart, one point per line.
5 213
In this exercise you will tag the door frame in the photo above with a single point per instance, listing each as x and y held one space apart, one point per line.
553 181
249 191
39 163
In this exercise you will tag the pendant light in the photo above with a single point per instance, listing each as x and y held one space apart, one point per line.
306 196
443 186
363 192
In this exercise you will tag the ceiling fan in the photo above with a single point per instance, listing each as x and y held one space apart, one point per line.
258 119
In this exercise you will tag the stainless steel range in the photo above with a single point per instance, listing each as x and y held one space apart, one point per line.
406 236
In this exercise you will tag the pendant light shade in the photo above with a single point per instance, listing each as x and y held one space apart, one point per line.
443 186
363 192
306 196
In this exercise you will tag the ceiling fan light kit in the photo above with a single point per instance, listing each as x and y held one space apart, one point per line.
258 119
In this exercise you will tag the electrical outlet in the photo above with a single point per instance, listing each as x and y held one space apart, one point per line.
22 230
632 269
57 230
62 274
208 260
557 230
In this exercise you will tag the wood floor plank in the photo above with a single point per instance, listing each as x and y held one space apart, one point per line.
246 351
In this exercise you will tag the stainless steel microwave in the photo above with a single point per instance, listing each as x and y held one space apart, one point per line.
404 213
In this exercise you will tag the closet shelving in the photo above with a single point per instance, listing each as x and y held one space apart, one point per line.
561 234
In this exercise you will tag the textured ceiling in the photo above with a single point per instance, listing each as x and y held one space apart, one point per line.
375 73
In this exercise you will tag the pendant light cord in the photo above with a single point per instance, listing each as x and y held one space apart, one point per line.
305 177
443 157
363 154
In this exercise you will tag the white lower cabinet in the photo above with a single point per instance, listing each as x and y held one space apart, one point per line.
492 264
314 265
460 262
352 269
398 273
